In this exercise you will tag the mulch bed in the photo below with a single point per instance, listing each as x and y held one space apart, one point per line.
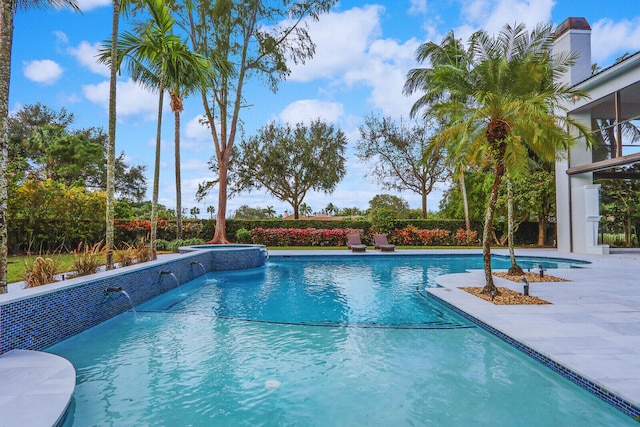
506 297
531 277
509 297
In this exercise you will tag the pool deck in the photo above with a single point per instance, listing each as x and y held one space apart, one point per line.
591 327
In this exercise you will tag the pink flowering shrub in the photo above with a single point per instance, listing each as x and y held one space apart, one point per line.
435 237
411 235
464 238
302 236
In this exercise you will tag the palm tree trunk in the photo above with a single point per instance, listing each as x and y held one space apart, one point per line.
178 178
465 203
488 227
111 143
515 268
156 175
6 39
542 229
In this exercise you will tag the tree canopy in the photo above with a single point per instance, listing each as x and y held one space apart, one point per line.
256 40
399 156
500 106
288 162
43 144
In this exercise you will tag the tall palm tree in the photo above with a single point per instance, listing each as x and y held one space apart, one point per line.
184 76
512 108
449 53
8 9
150 52
111 141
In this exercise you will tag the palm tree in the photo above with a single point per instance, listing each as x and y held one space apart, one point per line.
184 75
450 52
8 8
111 142
511 108
152 53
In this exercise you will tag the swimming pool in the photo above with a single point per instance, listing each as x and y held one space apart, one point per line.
315 341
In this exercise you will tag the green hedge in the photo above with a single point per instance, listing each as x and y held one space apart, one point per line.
52 236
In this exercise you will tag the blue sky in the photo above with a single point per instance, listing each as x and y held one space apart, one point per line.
364 50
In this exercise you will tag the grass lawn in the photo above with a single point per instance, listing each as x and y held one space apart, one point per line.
17 265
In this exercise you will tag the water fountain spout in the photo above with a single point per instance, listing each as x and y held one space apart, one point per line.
175 279
119 290
204 270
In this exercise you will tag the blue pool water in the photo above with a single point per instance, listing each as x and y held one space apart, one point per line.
316 342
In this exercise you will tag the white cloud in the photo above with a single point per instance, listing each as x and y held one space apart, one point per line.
131 98
86 5
310 109
86 54
196 130
384 70
492 15
341 41
418 7
349 52
44 71
61 37
614 38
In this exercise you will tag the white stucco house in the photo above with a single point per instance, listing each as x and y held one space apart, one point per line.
613 102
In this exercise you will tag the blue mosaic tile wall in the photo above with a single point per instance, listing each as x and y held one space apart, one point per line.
593 388
40 321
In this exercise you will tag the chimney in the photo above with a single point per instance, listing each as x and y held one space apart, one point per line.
574 35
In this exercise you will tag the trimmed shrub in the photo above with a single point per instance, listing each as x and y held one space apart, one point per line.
243 235
302 237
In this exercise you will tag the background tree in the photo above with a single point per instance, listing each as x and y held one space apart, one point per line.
384 209
211 210
450 52
515 110
289 162
247 212
257 39
620 201
478 187
185 74
350 212
43 143
8 8
270 212
148 53
305 210
388 201
537 193
400 159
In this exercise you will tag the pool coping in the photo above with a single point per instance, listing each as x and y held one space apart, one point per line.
36 388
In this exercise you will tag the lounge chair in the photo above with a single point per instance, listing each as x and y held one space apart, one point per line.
380 242
354 243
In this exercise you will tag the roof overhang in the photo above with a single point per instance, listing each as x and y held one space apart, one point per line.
605 164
